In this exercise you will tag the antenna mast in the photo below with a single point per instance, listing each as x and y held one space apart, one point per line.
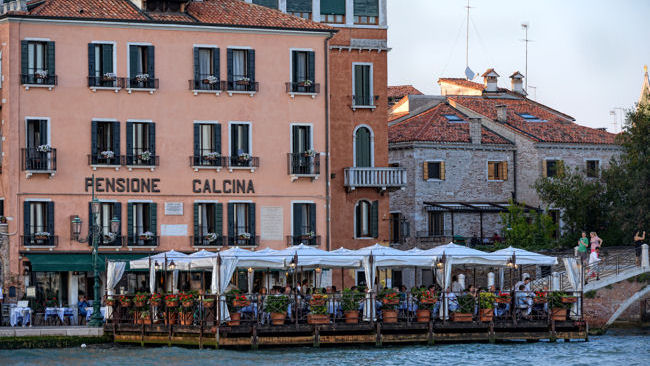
467 38
526 40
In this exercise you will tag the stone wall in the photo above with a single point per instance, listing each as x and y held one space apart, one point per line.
608 299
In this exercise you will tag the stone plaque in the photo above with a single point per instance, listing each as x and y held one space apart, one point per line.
173 230
173 208
272 223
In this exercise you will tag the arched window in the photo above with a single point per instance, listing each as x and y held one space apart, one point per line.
363 150
366 219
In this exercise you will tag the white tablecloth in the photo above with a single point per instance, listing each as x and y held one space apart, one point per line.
25 314
89 312
61 313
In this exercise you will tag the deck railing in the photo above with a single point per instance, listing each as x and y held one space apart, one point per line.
303 164
39 159
382 178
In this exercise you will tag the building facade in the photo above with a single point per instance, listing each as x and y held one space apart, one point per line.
204 124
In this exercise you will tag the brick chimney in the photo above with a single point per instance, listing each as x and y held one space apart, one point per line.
517 82
490 78
502 113
475 130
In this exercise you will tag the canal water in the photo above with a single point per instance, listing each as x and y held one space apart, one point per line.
622 348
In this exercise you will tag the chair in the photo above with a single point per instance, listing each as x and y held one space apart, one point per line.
23 304
4 316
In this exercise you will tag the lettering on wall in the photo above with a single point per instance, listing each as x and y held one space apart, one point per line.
226 186
123 185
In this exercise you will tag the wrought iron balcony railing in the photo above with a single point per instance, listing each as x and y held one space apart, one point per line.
106 159
243 162
106 82
303 239
141 83
206 83
205 241
241 85
208 161
39 159
303 87
38 80
303 163
40 240
241 241
142 241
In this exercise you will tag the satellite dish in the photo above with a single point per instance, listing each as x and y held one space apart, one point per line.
469 74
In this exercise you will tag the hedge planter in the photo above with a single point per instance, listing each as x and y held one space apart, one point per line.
487 315
559 315
389 316
235 319
423 316
462 317
315 319
352 317
278 318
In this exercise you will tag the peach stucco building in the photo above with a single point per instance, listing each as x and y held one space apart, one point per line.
204 124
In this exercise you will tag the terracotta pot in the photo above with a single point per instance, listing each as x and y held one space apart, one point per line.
125 304
171 318
389 316
188 304
145 320
235 319
186 318
462 317
558 314
278 318
155 303
172 304
487 315
423 316
318 319
569 300
540 300
240 303
110 302
138 304
351 317
500 300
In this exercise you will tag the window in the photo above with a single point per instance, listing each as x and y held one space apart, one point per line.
530 118
141 144
332 11
436 223
593 168
107 211
207 145
303 72
241 70
37 62
208 222
240 140
273 4
366 11
552 168
304 15
399 228
497 170
303 158
206 68
39 223
300 8
453 118
101 70
304 224
142 224
363 148
141 67
434 170
241 224
362 83
105 143
38 153
367 219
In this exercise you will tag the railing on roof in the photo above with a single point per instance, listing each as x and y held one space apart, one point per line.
7 6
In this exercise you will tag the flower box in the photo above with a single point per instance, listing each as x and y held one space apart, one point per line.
145 156
211 156
244 236
390 301
146 236
423 316
172 304
155 303
140 78
211 237
244 81
315 319
462 317
351 317
278 318
502 300
108 77
486 315
558 314
569 299
188 303
389 316
210 80
171 318
305 83
110 302
138 304
107 154
240 303
43 148
41 74
41 236
235 319
208 303
540 300
317 302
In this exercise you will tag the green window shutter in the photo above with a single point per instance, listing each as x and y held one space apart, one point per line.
251 65
107 58
229 62
90 215
196 65
24 55
129 220
311 66
374 219
366 8
133 61
26 219
93 141
273 4
91 64
332 7
196 222
197 140
153 218
358 219
216 130
50 59
117 212
358 80
365 84
297 219
234 136
299 6
151 70
115 129
294 65
50 218
152 138
129 140
245 147
216 63
312 217
251 222
231 220
218 218
362 147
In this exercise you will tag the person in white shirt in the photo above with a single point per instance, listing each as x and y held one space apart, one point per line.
525 282
594 259
456 287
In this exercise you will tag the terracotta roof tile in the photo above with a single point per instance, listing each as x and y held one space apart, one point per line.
462 82
432 126
171 17
556 127
400 91
98 9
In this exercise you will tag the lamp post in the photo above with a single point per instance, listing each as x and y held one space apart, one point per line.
96 320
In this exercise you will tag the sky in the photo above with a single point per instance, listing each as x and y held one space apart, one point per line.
585 59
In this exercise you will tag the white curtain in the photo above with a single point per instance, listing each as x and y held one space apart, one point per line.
301 68
205 59
175 281
114 272
573 273
238 64
369 272
152 277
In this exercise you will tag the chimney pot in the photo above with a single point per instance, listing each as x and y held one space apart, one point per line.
517 82
490 79
502 113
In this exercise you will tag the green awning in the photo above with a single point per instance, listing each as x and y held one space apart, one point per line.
55 262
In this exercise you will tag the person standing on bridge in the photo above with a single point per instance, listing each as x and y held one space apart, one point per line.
583 242
596 242
638 242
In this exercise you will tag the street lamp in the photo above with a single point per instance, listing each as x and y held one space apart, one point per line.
96 320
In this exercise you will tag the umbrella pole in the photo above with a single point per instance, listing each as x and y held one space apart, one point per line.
342 278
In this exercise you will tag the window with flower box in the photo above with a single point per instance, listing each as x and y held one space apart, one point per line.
105 143
38 223
208 224
206 69
142 67
303 159
37 63
107 211
141 144
207 145
303 78
304 224
241 70
241 224
101 67
240 146
38 154
142 222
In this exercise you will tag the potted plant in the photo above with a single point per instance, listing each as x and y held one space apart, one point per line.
309 153
108 154
43 148
212 155
147 235
306 83
171 301
186 299
244 157
277 305
211 79
244 236
318 310
110 301
155 299
540 297
243 81
41 235
109 76
503 298
141 78
145 155
486 304
426 302
350 303
109 237
211 237
559 308
125 302
465 310
145 317
40 74
390 300
139 300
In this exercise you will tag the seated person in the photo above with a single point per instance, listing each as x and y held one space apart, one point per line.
496 238
82 305
523 300
452 300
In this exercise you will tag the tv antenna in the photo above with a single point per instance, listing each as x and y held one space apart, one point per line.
525 26
469 74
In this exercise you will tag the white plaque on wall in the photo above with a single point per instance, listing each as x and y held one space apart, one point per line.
271 223
173 208
173 230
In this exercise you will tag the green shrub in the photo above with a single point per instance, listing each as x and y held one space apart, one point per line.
466 304
350 300
591 294
277 304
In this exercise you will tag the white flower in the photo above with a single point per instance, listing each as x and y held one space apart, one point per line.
42 233
109 237
109 75
147 235
146 155
245 235
212 79
244 156
107 154
307 83
41 74
311 153
142 77
211 155
210 237
43 148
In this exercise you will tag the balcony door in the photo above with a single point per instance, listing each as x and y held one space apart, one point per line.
37 156
304 223
363 148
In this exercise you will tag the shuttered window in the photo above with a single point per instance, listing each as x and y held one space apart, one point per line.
101 71
436 224
363 95
273 4
366 11
363 148
37 62
303 70
241 224
141 67
434 170
142 220
208 224
38 221
241 69
141 143
367 219
497 170
105 143
300 8
332 11
304 220
207 63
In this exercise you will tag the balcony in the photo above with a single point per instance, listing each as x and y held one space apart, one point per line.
364 102
380 178
303 165
313 240
240 86
110 241
143 159
135 241
38 80
39 240
240 241
205 242
105 82
208 161
38 160
303 88
206 84
105 160
141 84
242 162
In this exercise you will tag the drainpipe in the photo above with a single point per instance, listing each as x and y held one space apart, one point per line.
328 198
514 173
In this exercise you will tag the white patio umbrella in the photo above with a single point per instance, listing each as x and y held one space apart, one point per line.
523 257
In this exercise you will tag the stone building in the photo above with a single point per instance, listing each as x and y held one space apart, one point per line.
473 149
